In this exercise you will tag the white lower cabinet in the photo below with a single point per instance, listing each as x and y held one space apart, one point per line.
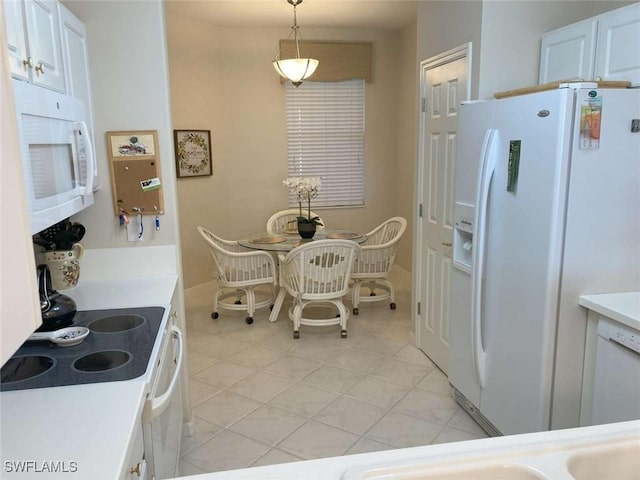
135 466
605 47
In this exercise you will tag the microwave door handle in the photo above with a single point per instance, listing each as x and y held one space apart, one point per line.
90 159
159 404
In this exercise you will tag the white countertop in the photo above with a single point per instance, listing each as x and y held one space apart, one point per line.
90 424
622 307
545 451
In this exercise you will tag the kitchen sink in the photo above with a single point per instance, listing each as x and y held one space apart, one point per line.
486 472
602 452
619 462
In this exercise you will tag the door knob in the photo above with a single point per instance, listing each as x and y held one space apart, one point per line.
446 244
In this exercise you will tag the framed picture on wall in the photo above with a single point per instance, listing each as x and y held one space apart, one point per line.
193 153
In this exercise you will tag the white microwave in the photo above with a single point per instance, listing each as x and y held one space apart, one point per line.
58 155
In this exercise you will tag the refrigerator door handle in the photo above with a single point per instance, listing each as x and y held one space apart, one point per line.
487 167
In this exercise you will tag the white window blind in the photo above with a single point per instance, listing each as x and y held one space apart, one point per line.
325 131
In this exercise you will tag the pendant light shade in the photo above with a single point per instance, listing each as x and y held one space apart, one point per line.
295 69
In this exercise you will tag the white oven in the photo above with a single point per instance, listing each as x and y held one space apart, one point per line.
57 154
162 413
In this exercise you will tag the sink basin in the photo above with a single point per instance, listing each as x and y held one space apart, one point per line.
619 462
485 472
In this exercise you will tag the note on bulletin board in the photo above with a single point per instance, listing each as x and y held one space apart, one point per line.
135 172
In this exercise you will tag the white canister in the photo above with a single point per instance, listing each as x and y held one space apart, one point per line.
64 266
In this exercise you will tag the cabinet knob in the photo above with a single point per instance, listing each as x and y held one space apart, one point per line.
137 469
27 63
40 68
446 244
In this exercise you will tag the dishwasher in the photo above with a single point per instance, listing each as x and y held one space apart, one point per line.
616 379
162 412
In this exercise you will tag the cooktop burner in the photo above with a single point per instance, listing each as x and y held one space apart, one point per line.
117 348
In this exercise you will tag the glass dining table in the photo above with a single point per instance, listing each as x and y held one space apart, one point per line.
282 243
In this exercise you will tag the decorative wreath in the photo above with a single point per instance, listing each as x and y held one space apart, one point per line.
182 153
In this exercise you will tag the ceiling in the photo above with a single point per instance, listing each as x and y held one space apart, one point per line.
386 14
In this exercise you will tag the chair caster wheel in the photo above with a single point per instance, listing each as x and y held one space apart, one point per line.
237 302
392 306
249 320
214 315
271 307
296 334
356 311
343 334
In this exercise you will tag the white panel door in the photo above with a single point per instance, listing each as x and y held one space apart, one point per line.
618 50
443 87
568 52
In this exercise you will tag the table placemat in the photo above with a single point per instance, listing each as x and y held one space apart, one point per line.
343 235
268 240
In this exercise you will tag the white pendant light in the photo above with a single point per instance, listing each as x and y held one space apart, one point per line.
295 69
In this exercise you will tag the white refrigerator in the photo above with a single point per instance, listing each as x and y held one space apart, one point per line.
547 208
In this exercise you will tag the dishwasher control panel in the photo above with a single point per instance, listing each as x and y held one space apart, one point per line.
618 333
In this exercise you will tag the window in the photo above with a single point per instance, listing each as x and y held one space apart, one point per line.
325 134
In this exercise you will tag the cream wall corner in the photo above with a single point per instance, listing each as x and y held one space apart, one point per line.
222 80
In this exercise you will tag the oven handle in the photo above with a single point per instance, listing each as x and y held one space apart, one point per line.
159 404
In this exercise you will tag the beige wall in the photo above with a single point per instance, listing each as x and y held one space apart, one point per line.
510 47
407 140
222 80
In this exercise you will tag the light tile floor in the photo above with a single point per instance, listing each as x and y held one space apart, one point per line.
260 397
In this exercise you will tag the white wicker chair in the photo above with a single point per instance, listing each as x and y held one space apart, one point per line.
318 273
374 263
239 270
279 221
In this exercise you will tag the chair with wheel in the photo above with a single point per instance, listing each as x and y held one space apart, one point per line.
285 221
374 263
239 271
317 273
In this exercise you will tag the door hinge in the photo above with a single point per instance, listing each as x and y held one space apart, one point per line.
420 210
424 104
418 308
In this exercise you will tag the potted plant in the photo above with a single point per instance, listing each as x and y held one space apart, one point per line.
305 189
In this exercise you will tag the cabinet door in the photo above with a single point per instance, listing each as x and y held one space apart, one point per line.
76 59
75 53
618 45
43 37
14 23
568 52
19 307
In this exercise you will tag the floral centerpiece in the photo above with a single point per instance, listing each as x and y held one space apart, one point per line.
305 189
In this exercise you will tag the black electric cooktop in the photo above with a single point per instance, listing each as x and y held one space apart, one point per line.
117 348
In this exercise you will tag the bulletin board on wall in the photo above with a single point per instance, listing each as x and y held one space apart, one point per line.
135 172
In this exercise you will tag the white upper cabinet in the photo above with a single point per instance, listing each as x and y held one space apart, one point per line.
605 47
76 58
34 42
568 53
618 52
